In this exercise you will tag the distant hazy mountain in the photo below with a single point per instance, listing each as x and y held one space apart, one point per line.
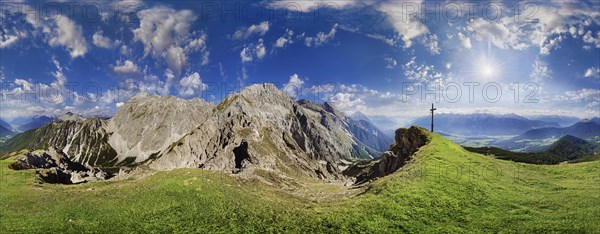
363 129
540 139
25 123
481 124
582 129
5 124
563 121
5 131
567 149
5 128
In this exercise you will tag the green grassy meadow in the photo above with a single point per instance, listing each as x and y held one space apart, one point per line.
443 189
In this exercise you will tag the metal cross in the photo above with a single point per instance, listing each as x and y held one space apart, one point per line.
432 109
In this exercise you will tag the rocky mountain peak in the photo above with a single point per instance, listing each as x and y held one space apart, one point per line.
69 116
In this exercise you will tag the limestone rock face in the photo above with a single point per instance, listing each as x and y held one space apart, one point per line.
280 134
408 142
83 140
54 166
147 124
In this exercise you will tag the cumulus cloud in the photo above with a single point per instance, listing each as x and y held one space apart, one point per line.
7 40
191 84
68 34
465 41
246 32
246 55
199 45
593 72
101 41
293 86
544 26
432 44
164 32
321 37
284 40
308 5
540 71
126 69
390 62
407 25
421 72
249 52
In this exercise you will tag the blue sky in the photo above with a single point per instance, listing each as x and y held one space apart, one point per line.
383 58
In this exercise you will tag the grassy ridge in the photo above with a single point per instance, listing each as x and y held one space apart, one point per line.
444 189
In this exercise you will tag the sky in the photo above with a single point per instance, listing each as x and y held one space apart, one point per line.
387 59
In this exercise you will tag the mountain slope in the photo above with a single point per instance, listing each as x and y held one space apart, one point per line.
147 124
481 124
260 132
84 141
27 123
281 138
442 189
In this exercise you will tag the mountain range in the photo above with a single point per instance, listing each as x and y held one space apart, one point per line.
482 124
567 149
259 132
541 138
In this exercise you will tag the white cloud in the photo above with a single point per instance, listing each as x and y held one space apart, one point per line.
249 52
70 35
593 72
308 5
126 69
260 49
540 71
390 62
407 25
421 72
284 40
293 86
245 33
191 84
7 40
589 38
101 41
246 55
496 33
176 59
199 45
465 41
321 37
164 31
432 44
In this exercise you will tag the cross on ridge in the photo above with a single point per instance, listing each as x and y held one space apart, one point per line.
432 109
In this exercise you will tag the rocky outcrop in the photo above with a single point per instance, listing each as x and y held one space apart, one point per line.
84 140
145 124
408 142
282 138
54 166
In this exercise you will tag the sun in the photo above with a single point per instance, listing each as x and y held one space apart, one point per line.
488 70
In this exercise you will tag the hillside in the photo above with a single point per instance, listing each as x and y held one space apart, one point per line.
444 188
